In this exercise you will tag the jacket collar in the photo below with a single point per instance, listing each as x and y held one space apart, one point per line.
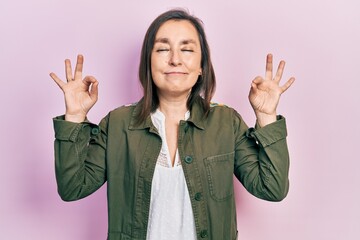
197 117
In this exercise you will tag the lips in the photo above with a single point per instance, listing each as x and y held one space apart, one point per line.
175 73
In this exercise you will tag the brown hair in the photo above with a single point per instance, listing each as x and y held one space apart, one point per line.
203 89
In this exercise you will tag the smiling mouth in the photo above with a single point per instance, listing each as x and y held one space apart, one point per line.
175 73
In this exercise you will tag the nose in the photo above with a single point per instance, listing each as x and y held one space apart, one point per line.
174 59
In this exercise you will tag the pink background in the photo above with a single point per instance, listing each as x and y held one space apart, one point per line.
320 40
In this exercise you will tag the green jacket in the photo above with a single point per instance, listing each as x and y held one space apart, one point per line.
211 150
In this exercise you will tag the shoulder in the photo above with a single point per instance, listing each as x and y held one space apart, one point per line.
120 117
222 111
123 112
220 107
124 108
215 104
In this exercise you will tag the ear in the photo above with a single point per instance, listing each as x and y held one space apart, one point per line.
200 71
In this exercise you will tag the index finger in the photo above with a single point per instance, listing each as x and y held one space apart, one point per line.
57 80
79 67
287 84
269 67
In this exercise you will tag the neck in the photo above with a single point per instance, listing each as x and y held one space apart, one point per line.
174 108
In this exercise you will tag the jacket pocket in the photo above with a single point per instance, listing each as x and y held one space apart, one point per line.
220 171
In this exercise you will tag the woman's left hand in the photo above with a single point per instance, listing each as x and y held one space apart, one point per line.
265 93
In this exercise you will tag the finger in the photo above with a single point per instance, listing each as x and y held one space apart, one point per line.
68 70
287 84
269 67
252 90
258 80
57 80
79 67
94 91
279 71
254 87
89 80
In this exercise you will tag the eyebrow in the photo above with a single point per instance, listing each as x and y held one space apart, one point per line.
183 42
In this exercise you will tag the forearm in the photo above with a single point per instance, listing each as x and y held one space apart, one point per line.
274 171
262 162
78 173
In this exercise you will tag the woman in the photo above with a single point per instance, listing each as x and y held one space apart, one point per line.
169 160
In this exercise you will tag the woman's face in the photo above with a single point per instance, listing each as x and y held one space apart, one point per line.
176 58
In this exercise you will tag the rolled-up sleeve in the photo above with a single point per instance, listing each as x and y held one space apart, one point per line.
79 157
262 159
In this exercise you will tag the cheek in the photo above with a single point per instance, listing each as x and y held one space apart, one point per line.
194 64
155 71
157 62
152 62
197 62
154 68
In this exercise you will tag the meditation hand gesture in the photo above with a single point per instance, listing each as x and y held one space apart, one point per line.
265 93
80 94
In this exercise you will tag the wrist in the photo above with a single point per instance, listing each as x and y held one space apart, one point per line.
74 118
264 119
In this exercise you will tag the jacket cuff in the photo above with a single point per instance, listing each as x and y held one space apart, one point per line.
269 134
67 131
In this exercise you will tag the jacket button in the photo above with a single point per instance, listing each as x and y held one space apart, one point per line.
198 196
203 234
188 159
94 131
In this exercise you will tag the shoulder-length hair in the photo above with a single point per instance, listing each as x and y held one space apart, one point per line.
203 89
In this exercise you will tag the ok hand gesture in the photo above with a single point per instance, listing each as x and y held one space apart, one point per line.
265 93
80 94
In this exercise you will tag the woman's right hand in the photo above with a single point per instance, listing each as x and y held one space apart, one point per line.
80 94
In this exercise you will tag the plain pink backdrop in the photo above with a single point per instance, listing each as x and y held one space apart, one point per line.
320 41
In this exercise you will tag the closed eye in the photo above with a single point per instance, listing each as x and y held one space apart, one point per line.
187 50
162 50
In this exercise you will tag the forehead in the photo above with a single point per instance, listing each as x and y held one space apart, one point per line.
177 30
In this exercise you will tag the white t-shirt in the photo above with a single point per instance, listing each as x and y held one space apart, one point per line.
171 215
